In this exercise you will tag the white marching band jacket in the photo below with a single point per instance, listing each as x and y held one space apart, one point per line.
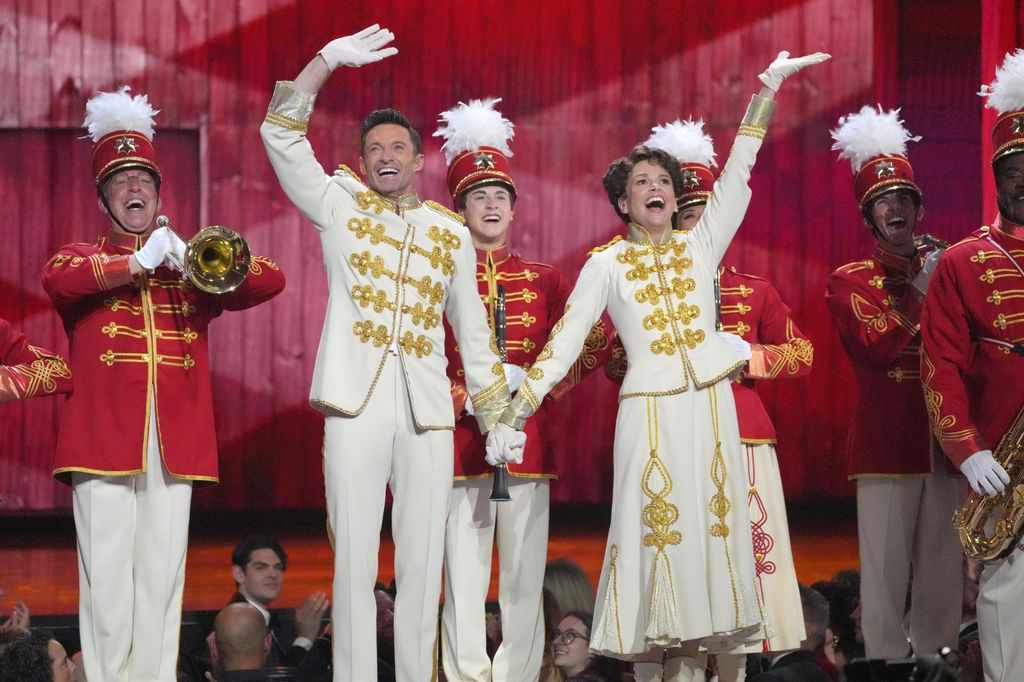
394 267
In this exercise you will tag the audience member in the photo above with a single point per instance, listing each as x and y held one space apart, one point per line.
799 665
258 566
385 631
36 657
570 650
18 621
843 595
548 671
570 586
240 644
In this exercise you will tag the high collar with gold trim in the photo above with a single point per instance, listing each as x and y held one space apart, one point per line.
639 234
406 202
496 255
896 262
1007 228
129 242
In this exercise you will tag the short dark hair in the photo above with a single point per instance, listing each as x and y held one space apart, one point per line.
27 659
617 176
242 554
816 615
867 208
487 183
385 117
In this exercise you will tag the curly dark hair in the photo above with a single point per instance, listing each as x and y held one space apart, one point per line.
618 174
27 659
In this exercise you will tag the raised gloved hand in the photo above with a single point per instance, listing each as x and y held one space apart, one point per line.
515 376
737 344
984 473
504 445
922 278
154 252
361 48
783 67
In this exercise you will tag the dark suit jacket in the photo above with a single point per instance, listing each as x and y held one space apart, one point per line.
798 666
283 651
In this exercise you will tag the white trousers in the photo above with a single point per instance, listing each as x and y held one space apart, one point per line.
521 529
364 455
905 521
1001 619
132 538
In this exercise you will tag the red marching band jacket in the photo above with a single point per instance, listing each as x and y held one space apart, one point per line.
973 316
877 316
535 296
752 309
27 371
132 340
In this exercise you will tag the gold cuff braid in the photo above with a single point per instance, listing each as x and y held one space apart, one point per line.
290 108
490 403
759 113
516 414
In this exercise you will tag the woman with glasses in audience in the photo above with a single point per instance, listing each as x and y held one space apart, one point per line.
570 649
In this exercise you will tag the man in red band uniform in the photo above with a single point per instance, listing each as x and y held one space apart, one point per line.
971 330
27 371
483 191
905 496
137 430
752 309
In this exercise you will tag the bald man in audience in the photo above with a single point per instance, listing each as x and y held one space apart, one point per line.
240 644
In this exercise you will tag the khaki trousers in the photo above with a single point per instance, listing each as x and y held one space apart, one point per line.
1001 619
132 537
520 527
904 522
363 456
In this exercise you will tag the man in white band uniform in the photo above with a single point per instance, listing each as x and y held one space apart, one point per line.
394 264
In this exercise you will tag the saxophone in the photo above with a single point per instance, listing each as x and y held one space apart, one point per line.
991 527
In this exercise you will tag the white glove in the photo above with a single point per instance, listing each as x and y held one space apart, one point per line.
359 49
984 473
154 252
515 376
783 67
927 269
504 445
737 344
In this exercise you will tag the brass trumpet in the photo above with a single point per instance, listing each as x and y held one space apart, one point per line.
216 259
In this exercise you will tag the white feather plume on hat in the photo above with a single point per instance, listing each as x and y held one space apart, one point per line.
1006 92
871 132
685 141
474 125
107 112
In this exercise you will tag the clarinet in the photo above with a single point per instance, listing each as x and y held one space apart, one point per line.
499 488
718 300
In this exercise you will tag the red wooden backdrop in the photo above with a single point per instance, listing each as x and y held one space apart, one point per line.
582 82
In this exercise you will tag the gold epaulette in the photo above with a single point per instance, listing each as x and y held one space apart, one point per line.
351 173
973 238
598 249
446 211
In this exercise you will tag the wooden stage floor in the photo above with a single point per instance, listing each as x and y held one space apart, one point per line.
38 563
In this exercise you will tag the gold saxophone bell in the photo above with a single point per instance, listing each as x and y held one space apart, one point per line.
991 527
216 259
